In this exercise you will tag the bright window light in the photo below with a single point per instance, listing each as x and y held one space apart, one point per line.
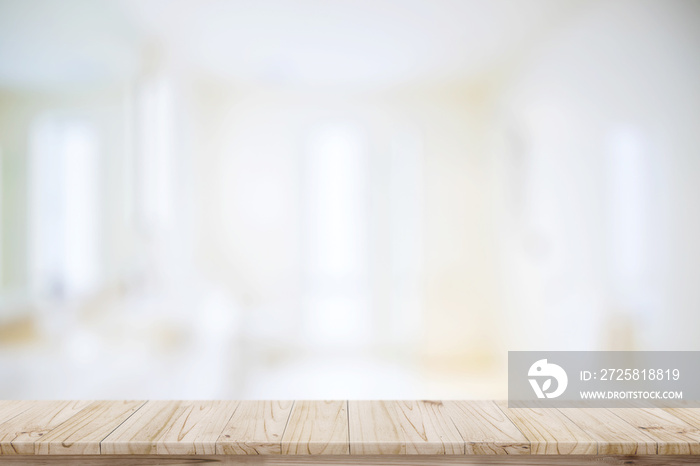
337 282
63 193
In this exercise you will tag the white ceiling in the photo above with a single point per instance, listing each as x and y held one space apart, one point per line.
64 42
308 42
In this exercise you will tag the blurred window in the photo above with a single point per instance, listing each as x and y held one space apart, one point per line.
337 279
628 203
154 164
63 213
406 236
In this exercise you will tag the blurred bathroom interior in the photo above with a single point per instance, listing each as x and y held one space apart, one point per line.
341 199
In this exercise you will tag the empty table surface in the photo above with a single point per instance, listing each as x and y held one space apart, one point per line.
342 432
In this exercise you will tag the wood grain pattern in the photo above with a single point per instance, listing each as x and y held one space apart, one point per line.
485 429
402 428
10 408
673 435
346 460
613 435
19 434
314 432
550 432
256 428
171 428
81 434
317 428
689 415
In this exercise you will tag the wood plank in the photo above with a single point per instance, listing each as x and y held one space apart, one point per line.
171 428
614 435
689 415
317 428
390 432
81 434
19 434
346 460
549 431
12 408
256 428
402 428
674 436
485 429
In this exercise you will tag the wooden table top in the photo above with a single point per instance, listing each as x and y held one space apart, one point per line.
339 428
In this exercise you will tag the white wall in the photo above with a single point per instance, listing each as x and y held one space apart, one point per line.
621 77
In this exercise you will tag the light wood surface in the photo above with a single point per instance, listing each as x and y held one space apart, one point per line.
689 415
317 428
10 409
486 429
81 434
171 428
349 460
19 434
613 435
673 435
340 432
256 428
401 428
550 432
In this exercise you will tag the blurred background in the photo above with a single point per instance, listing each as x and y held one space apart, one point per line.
341 199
